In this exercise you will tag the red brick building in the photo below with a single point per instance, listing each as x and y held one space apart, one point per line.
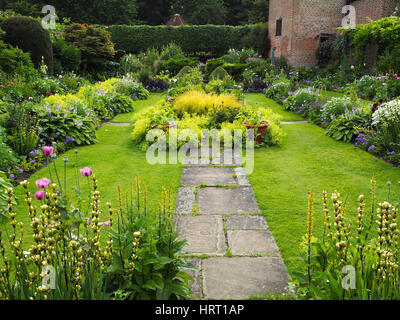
296 27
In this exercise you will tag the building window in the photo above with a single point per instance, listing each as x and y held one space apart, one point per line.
278 27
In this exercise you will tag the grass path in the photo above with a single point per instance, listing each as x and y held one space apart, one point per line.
256 100
139 105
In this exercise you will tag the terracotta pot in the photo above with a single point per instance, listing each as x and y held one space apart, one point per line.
165 127
261 129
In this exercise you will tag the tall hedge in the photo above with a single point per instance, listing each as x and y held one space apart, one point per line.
193 39
29 35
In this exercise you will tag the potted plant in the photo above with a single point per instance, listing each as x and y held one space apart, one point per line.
254 120
160 120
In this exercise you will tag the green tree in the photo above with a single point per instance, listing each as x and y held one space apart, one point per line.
201 12
154 12
256 10
235 13
100 11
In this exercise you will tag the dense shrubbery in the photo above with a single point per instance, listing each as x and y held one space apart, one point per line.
94 43
29 35
193 39
66 57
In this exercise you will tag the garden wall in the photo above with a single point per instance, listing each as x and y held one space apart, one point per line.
213 39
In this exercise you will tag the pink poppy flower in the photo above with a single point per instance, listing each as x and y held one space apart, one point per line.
42 183
86 172
107 223
395 75
48 151
40 195
384 84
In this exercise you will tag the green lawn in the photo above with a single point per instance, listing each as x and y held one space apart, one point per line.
256 100
139 105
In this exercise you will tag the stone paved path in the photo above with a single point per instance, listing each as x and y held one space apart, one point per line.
228 240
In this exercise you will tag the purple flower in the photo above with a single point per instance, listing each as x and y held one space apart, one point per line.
107 223
40 194
48 151
12 176
371 147
86 172
42 183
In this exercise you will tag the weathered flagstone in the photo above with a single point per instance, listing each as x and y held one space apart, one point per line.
246 222
196 161
241 176
195 285
227 192
243 277
237 200
204 234
185 200
227 157
118 124
248 242
210 176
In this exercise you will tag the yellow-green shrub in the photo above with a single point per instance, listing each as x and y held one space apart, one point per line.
197 102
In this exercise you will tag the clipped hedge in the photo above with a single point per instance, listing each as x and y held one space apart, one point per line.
213 39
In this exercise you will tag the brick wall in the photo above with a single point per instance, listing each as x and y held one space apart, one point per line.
304 20
373 9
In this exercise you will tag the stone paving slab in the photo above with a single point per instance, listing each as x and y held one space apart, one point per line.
195 286
241 176
204 234
227 157
246 222
242 277
196 161
238 200
210 176
185 200
248 242
118 124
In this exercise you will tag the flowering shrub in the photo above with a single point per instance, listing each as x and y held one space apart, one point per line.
371 252
279 91
386 121
368 87
59 121
301 101
130 87
335 107
196 111
345 128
